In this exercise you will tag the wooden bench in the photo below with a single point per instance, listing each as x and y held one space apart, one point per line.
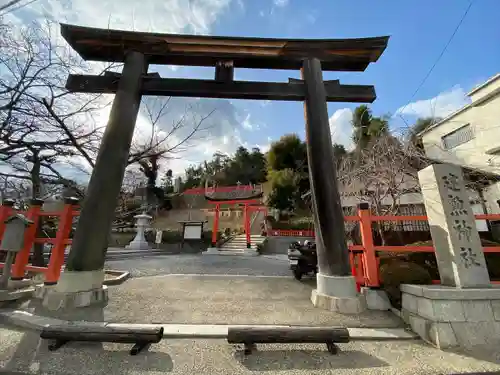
249 336
141 337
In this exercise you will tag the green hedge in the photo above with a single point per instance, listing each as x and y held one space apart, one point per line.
297 223
429 263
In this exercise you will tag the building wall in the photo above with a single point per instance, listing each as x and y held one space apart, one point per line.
484 118
491 196
487 88
483 114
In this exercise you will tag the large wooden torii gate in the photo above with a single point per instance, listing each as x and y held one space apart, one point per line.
138 50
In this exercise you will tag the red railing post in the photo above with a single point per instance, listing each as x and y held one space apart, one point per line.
5 212
369 255
22 258
215 228
63 231
247 226
354 271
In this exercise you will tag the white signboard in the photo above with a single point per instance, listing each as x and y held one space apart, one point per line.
192 232
159 235
177 185
481 225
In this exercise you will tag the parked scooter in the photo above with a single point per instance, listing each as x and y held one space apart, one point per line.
303 258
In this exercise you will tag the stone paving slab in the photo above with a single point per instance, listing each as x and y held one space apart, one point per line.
24 353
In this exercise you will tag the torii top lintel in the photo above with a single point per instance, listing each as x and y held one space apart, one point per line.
195 50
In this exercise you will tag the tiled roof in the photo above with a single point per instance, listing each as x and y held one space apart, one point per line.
234 195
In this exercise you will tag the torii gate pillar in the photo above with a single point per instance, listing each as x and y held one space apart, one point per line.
81 283
336 287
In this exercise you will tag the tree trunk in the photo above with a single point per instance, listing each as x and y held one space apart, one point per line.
36 185
381 233
380 224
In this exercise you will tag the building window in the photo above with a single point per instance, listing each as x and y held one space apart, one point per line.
458 137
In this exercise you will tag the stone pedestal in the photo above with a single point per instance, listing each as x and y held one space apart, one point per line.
376 299
449 317
9 295
139 242
338 293
73 290
211 251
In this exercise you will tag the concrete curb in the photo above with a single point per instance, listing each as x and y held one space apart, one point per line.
31 321
121 277
7 296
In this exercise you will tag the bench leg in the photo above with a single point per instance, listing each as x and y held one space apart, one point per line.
56 344
332 348
249 347
138 347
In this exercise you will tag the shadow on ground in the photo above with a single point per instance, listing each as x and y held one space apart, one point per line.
32 356
33 305
275 360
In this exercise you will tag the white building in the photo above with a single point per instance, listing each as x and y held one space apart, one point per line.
470 137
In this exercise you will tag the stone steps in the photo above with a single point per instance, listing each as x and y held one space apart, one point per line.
238 245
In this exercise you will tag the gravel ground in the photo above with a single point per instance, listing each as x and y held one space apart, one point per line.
25 353
203 264
203 299
229 300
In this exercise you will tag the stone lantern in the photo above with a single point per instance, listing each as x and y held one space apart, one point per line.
142 224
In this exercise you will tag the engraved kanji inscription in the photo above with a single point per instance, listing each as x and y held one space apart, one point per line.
457 205
451 182
463 229
468 257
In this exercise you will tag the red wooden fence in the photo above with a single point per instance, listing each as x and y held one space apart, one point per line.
364 260
60 242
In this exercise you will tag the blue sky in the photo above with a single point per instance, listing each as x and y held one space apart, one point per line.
419 31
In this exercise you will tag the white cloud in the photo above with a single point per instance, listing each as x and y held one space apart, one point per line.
441 105
247 125
266 146
222 129
341 128
281 3
167 16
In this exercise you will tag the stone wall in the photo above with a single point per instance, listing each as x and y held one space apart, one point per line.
232 220
447 317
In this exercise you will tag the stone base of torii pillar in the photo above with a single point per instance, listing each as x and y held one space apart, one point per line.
139 242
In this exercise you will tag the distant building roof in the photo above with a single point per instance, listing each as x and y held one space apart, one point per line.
484 84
